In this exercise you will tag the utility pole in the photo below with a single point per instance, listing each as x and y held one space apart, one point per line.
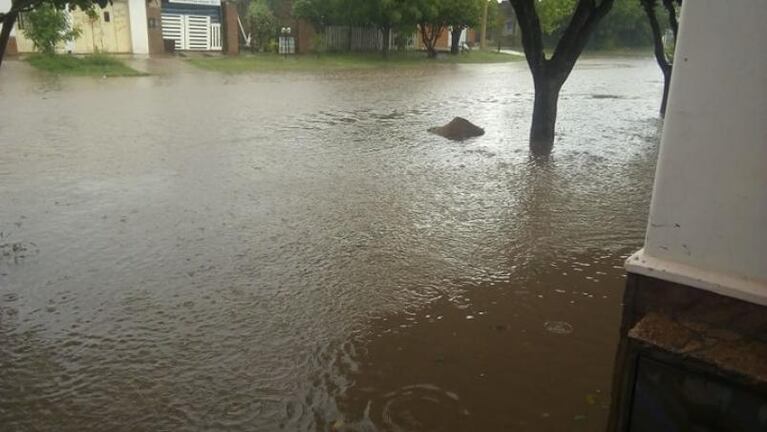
483 37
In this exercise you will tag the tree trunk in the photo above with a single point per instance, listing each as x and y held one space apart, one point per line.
429 38
483 36
666 85
549 74
544 115
659 50
8 22
455 40
386 40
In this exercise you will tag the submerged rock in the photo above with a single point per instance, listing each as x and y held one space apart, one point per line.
458 129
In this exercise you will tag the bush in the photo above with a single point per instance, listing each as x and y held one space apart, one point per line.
263 25
47 27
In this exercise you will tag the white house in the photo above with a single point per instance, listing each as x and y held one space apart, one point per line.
137 27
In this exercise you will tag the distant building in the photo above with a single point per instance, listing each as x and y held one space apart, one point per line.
192 25
118 28
510 33
469 37
136 27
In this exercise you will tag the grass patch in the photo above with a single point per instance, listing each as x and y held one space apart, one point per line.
336 62
607 53
620 52
90 65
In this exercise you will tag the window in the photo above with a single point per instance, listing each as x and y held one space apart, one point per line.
106 16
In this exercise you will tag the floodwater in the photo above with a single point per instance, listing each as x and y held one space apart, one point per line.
195 251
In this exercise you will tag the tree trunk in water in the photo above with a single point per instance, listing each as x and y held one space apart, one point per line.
659 49
549 74
8 21
455 40
386 41
666 85
544 116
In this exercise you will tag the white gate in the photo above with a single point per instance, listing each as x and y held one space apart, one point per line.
215 37
191 32
197 32
173 28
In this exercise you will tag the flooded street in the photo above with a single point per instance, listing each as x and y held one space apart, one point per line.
197 251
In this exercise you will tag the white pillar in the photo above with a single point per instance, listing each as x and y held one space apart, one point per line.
708 218
139 32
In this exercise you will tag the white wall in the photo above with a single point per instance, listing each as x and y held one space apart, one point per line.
708 218
138 26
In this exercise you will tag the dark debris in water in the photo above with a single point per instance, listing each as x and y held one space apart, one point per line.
17 250
606 96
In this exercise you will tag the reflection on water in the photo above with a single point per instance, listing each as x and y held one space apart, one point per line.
261 252
529 353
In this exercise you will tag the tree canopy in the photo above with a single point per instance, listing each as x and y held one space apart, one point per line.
389 13
47 27
263 24
431 16
625 26
462 13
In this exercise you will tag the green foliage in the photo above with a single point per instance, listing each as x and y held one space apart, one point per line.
24 6
496 21
316 12
263 25
30 5
92 14
499 20
554 14
401 16
625 25
47 27
389 13
461 13
429 12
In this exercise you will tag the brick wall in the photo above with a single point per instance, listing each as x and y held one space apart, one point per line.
231 28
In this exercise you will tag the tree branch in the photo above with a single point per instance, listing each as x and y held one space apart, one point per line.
585 19
429 34
660 52
532 37
671 10
24 5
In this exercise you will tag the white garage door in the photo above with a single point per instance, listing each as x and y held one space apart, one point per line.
191 32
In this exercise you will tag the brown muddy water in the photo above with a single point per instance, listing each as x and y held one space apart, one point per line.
194 251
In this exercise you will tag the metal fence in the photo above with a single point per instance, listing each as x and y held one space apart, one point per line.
344 38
